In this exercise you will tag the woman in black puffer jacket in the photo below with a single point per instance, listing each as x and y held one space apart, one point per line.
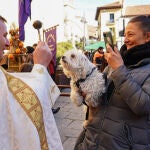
122 121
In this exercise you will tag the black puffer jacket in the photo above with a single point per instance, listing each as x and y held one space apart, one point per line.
123 121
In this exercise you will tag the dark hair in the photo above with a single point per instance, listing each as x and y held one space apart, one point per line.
3 19
144 22
35 44
30 49
26 67
100 48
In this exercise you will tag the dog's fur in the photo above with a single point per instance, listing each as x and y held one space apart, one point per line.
77 66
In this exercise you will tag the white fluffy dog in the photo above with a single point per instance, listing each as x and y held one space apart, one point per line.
85 78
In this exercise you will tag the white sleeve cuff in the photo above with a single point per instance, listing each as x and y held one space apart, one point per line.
39 69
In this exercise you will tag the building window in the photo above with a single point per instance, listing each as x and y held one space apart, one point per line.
111 17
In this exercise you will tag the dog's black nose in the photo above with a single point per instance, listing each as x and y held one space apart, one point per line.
63 57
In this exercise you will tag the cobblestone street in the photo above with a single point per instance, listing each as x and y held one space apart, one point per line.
69 121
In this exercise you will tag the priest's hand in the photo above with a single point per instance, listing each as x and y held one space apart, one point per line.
42 54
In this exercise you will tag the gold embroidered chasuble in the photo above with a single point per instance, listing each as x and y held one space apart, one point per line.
30 103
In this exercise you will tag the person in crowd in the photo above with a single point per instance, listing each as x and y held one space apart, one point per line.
122 121
25 67
87 54
26 122
98 57
34 45
29 53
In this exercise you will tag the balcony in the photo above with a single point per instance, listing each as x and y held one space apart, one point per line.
110 22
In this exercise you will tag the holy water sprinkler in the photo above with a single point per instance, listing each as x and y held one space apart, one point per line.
37 25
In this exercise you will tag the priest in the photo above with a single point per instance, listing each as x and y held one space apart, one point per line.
26 120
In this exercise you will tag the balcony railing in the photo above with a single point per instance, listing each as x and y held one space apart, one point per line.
110 22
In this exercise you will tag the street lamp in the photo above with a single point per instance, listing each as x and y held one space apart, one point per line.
83 20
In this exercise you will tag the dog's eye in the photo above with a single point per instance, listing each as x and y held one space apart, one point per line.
72 56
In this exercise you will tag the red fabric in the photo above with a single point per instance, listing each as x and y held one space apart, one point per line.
51 67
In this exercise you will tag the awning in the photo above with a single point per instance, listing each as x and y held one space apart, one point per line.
95 46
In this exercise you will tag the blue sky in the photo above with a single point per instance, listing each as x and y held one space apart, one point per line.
88 7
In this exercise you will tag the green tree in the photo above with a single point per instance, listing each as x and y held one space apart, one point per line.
62 47
79 45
